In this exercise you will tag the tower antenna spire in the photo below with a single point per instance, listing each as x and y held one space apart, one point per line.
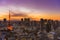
9 24
9 17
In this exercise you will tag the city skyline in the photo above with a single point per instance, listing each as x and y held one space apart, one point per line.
35 9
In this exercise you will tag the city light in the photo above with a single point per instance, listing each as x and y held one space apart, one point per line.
29 19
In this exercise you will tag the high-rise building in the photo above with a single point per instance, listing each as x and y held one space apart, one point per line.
42 24
4 23
27 21
4 20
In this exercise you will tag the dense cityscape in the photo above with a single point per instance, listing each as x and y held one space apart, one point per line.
29 19
27 29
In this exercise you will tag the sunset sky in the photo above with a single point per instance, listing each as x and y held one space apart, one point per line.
35 9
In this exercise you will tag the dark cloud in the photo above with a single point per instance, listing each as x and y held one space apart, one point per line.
19 15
